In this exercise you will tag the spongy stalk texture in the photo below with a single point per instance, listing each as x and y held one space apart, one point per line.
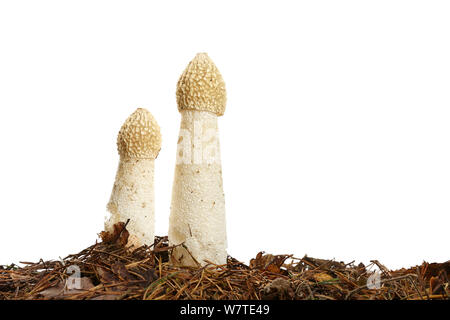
197 215
132 198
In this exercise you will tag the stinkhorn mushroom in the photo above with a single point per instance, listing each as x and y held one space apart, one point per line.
132 197
197 223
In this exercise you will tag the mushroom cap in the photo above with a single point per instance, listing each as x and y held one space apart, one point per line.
201 87
139 137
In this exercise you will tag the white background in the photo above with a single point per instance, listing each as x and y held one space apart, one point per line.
335 141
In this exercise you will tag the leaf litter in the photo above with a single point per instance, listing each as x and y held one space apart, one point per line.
111 270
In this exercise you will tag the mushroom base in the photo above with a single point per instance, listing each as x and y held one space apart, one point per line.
132 198
197 218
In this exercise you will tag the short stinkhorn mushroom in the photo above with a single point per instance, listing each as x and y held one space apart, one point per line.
132 197
197 219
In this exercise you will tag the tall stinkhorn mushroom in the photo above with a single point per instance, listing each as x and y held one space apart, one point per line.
132 197
197 219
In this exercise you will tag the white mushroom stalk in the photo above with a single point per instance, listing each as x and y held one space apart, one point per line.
197 219
132 197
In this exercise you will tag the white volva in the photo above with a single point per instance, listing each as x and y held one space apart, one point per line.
197 218
132 197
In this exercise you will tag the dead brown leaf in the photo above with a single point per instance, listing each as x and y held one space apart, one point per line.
268 262
119 235
61 290
121 271
105 276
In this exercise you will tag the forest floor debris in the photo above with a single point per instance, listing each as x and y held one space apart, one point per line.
109 270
